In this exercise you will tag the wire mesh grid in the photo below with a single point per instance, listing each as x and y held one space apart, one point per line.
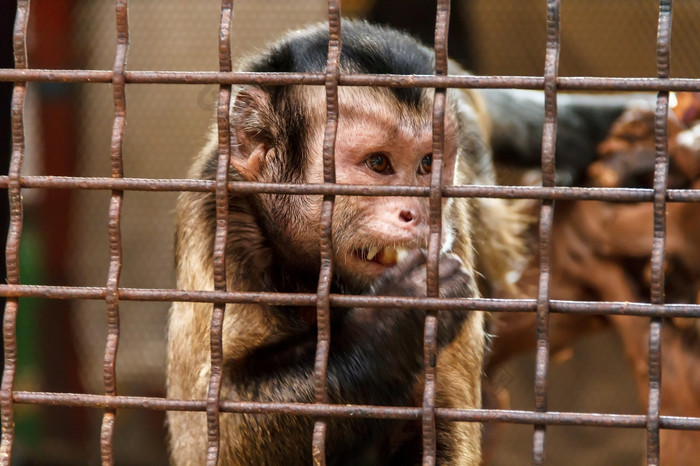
112 293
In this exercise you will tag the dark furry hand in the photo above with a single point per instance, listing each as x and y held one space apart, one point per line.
408 277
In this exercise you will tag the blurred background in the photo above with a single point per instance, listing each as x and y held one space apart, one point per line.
64 241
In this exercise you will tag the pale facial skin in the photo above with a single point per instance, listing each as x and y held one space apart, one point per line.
379 142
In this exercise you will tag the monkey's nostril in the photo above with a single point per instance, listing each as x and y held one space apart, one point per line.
406 216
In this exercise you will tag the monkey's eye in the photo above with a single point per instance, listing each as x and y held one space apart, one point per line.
379 162
426 165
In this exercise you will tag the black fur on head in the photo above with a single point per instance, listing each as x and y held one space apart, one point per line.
281 121
366 49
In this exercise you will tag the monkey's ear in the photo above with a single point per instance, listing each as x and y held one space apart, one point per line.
250 131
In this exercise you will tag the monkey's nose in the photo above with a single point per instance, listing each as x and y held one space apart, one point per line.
407 216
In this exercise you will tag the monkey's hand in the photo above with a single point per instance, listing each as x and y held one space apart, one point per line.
409 277
375 352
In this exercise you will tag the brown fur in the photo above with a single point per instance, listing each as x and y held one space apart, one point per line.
480 236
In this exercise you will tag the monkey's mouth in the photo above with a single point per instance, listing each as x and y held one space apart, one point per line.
387 256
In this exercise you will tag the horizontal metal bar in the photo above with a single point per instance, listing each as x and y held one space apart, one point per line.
570 83
310 299
364 411
505 192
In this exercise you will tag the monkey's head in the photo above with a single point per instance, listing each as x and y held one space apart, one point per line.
384 137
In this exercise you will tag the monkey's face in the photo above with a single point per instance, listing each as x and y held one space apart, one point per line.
382 142
379 141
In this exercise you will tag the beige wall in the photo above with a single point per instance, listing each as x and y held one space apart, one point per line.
599 37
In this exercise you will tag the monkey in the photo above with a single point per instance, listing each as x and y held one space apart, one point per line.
515 120
384 137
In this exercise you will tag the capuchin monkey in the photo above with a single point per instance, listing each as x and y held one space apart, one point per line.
379 246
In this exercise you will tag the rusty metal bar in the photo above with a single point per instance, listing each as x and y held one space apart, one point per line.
551 69
84 400
114 230
663 50
9 329
652 421
496 191
442 19
323 306
568 83
220 235
308 299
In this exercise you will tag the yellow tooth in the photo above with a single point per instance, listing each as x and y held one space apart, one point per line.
388 256
371 252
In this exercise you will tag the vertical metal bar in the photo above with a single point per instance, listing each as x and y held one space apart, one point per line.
545 224
13 236
114 229
220 235
326 245
442 20
663 50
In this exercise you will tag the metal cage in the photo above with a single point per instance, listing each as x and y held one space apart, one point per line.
112 293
